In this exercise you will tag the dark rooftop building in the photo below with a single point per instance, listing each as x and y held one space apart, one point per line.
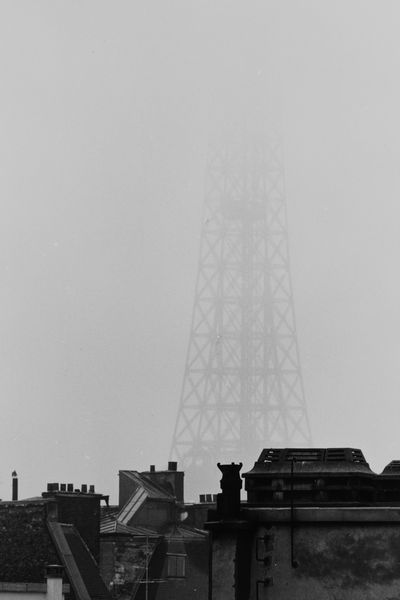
147 549
318 523
312 476
59 528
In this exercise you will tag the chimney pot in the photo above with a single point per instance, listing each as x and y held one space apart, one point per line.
54 571
84 488
70 487
152 468
63 487
92 489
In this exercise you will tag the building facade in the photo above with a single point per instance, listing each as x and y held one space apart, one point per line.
49 546
147 549
317 524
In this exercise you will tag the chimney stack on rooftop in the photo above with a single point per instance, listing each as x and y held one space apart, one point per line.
14 486
172 466
54 577
68 488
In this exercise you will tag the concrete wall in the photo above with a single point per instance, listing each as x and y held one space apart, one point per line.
338 554
23 596
223 571
353 561
52 590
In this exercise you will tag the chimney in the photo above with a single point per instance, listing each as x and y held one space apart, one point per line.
54 577
14 486
172 466
53 487
228 502
152 468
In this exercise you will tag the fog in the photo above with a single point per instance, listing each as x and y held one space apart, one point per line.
106 109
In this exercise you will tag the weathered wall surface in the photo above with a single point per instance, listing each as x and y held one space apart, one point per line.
194 586
348 561
23 596
25 543
224 549
123 562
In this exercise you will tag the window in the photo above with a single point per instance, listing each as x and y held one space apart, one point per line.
176 565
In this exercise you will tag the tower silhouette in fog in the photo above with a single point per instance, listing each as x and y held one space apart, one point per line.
242 389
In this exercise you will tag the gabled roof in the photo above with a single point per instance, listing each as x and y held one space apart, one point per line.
80 566
143 488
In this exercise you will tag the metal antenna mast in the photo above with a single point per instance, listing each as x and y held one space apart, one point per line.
242 388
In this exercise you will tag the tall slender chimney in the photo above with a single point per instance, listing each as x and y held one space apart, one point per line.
14 486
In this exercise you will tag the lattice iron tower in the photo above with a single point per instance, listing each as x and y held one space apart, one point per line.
242 388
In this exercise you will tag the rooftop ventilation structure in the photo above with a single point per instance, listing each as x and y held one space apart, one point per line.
312 476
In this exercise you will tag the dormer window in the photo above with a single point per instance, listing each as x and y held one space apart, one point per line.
176 565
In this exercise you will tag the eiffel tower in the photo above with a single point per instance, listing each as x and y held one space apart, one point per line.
242 388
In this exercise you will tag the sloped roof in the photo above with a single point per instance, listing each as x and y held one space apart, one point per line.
110 524
81 568
184 532
153 489
144 488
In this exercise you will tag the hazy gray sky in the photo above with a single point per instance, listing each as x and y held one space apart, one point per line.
105 111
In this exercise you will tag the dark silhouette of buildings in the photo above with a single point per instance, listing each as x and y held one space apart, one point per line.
54 535
317 524
147 548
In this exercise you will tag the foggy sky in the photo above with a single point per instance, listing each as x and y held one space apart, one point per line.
105 113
